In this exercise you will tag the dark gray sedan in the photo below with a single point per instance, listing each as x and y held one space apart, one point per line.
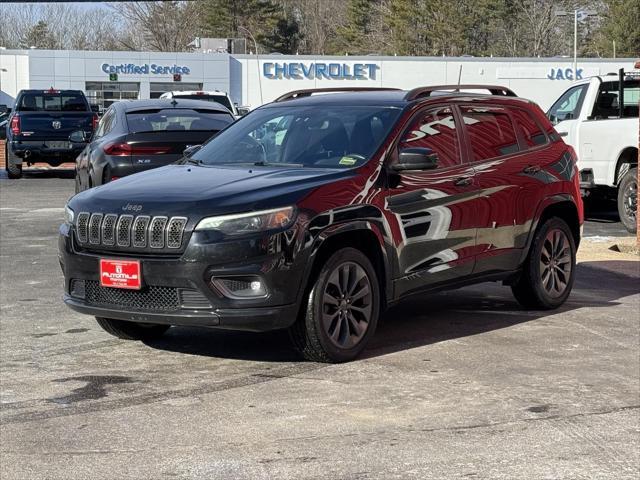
138 135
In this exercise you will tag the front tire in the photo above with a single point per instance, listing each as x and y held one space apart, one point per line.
628 200
341 313
549 270
131 330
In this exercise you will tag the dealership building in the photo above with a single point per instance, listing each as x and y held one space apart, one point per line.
252 80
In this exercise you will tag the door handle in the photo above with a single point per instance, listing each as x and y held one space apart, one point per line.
563 134
463 181
531 169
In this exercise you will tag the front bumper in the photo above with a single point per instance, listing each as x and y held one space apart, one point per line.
247 319
166 279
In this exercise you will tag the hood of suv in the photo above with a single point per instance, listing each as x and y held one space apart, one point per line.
197 191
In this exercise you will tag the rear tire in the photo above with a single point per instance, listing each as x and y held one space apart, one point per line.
549 270
131 330
628 200
14 170
342 309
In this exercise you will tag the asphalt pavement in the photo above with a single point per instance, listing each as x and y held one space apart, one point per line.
463 384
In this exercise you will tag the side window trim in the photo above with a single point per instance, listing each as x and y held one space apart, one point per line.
102 127
393 155
467 139
521 140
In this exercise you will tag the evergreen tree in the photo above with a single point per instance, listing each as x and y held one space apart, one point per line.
353 36
272 26
621 23
39 36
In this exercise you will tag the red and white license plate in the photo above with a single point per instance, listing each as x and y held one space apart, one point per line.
120 274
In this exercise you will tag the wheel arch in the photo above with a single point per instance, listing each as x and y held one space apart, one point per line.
561 206
360 235
628 156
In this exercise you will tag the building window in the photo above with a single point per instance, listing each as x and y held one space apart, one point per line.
104 94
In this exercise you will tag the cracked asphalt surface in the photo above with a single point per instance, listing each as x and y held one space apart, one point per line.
462 384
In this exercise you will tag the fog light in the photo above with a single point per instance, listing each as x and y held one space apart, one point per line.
239 287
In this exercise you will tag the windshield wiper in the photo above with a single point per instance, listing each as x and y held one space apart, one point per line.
191 161
262 163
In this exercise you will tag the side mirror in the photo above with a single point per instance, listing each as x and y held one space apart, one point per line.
95 108
416 158
187 152
79 136
242 111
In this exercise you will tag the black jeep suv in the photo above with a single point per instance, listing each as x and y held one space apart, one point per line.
316 212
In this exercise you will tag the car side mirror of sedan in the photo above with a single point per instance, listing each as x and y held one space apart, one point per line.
187 152
416 158
78 136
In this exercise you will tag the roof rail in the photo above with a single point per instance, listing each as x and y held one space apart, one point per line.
427 91
310 91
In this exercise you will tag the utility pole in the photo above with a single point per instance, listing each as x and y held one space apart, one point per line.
577 15
575 43
240 27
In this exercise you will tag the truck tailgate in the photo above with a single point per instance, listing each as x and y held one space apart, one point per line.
53 125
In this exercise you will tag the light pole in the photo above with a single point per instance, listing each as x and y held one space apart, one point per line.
257 60
577 15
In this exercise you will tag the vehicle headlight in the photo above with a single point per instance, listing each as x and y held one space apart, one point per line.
250 222
68 215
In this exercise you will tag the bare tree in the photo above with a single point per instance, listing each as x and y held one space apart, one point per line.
161 26
318 20
70 27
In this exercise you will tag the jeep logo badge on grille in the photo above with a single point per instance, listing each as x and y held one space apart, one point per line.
131 208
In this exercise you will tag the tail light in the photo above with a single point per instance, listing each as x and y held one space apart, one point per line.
15 125
124 149
94 123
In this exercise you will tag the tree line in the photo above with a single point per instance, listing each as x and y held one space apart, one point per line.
505 28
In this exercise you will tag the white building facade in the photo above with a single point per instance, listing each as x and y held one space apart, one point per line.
110 76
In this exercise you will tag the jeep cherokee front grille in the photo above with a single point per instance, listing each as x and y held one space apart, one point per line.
126 231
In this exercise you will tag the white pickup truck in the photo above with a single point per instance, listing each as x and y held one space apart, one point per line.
604 133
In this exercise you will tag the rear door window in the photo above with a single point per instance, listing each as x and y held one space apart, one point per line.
435 130
52 102
490 131
608 104
528 128
178 119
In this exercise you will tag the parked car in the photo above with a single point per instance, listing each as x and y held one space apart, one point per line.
316 212
39 126
4 121
604 133
138 135
217 96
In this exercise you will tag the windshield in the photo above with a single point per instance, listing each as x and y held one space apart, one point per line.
177 119
319 137
221 99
